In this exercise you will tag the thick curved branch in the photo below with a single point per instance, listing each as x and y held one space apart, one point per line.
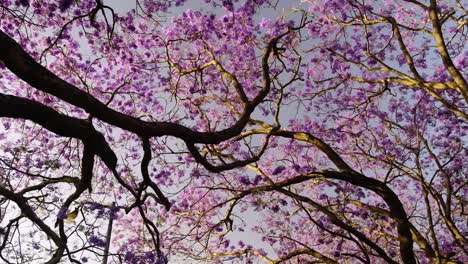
26 68
87 165
393 202
349 175
17 107
333 218
417 236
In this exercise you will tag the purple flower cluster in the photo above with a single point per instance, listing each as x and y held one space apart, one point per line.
146 257
96 241
64 5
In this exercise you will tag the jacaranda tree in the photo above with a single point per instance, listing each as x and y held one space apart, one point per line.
220 131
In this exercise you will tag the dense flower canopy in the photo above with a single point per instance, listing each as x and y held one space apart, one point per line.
220 131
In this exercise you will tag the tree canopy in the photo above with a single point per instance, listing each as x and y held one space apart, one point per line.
226 131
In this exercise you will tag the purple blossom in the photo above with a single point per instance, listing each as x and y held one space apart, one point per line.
24 2
96 241
372 125
228 5
244 180
278 170
275 208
